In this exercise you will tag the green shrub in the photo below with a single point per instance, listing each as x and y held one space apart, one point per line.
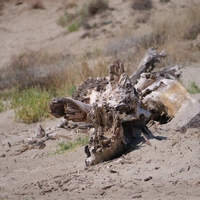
31 105
74 26
63 20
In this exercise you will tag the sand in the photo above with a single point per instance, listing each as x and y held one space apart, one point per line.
166 169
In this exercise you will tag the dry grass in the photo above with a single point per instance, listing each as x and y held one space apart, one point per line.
49 70
83 68
173 32
193 31
57 71
33 69
178 32
74 20
182 24
37 77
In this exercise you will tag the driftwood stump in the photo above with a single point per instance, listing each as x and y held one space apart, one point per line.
117 109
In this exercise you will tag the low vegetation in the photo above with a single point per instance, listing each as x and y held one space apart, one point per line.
63 20
175 34
142 4
73 21
5 100
74 26
31 105
66 146
34 78
193 88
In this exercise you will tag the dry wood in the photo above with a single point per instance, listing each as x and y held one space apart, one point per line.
70 109
120 110
148 63
56 136
40 132
118 107
146 139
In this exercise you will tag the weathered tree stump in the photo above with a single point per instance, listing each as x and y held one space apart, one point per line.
117 109
119 105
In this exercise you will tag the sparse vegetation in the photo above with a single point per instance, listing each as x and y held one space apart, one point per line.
1 105
48 70
75 20
193 88
193 31
71 90
168 32
33 69
72 21
5 100
74 26
31 105
3 198
63 20
37 77
142 4
66 146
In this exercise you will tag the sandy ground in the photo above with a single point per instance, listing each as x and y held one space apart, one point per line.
168 169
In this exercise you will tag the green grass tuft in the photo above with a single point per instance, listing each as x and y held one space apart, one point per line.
63 20
62 147
31 105
193 88
71 90
74 26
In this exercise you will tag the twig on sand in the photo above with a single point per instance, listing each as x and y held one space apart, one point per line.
146 139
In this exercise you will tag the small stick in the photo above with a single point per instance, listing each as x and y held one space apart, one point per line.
107 187
146 139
